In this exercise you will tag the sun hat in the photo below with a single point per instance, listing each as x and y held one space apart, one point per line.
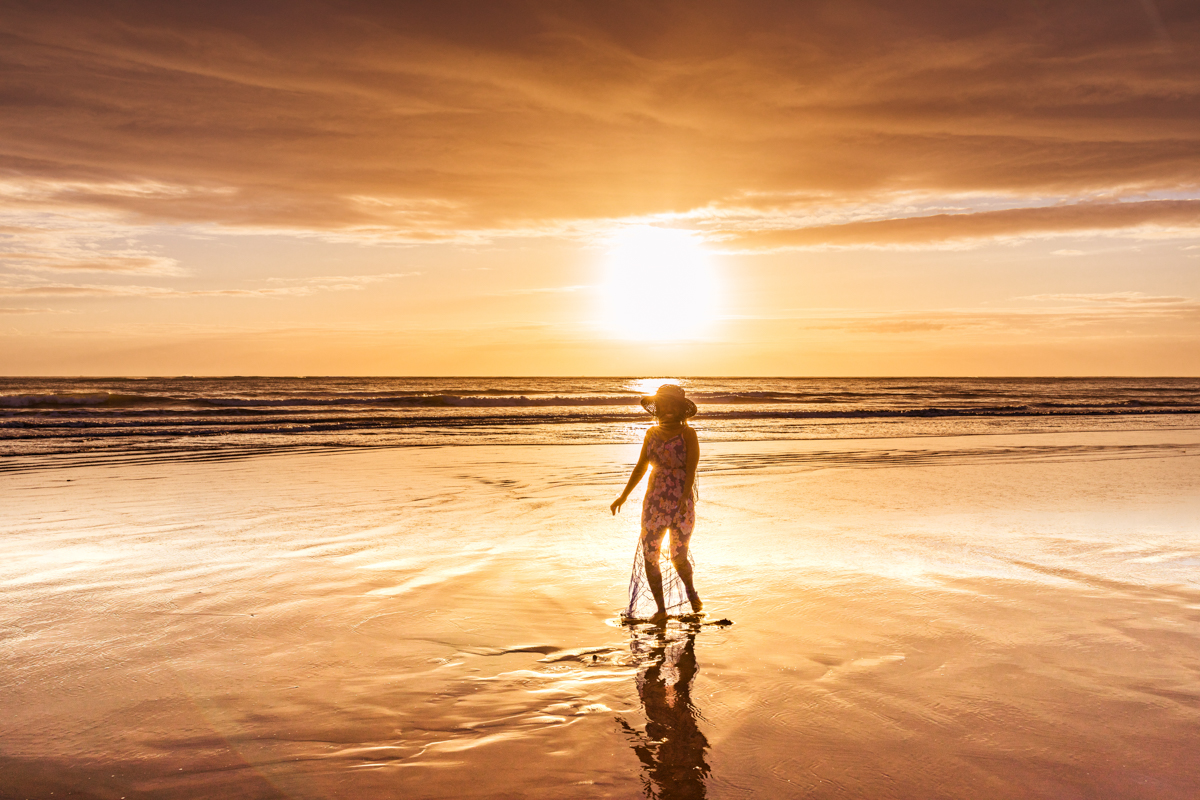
671 391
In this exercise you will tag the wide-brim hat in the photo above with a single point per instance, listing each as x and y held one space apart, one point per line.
673 392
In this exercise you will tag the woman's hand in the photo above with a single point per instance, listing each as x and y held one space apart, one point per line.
616 506
683 503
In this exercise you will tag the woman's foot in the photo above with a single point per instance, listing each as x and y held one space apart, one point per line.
658 618
694 599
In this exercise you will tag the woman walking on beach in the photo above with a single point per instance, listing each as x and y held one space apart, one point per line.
672 448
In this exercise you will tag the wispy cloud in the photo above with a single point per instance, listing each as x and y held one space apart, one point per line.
1044 314
336 283
88 242
547 290
306 286
22 311
1146 219
125 261
68 290
1126 299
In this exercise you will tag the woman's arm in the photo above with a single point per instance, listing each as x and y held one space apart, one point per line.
693 460
639 469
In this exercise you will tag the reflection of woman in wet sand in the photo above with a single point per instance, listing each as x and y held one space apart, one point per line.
672 448
672 748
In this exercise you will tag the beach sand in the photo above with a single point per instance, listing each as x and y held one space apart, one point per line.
944 617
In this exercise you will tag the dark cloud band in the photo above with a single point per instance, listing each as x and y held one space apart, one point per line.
430 121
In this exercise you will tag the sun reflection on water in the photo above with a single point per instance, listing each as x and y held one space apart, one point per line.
646 386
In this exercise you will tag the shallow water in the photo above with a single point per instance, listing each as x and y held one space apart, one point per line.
1009 616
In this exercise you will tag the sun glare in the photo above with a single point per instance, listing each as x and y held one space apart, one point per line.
659 286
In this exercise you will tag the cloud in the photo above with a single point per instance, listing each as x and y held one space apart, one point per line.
22 311
1050 314
1128 299
452 121
339 282
68 290
1153 218
547 290
87 242
306 286
127 261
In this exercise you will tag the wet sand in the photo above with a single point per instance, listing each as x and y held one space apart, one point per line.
959 617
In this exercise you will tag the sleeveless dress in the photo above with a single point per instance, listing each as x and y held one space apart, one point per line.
660 513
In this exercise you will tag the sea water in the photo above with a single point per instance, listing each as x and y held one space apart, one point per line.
90 417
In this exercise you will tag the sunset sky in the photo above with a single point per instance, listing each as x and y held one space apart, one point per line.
600 188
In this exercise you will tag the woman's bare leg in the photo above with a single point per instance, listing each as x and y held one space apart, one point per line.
684 569
654 577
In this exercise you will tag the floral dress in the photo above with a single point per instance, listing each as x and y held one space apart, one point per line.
660 513
660 508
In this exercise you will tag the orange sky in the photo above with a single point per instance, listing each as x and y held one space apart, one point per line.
435 188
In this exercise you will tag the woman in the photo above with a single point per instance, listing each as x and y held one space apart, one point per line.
672 448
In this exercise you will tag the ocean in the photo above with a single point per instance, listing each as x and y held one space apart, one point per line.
95 417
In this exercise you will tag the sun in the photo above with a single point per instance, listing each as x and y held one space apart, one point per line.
660 285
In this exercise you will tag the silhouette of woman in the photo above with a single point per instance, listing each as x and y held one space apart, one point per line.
672 448
672 748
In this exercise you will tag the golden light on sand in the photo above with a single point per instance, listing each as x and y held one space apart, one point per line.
660 285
